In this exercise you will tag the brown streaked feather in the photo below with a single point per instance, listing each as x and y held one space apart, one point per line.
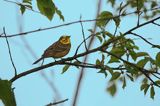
57 50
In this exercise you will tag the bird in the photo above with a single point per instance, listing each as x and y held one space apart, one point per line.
58 49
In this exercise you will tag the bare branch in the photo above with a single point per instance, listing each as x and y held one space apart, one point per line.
141 25
56 103
153 45
1 34
156 23
85 44
20 4
75 22
81 76
9 50
120 10
138 13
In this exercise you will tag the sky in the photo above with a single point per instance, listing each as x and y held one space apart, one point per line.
32 90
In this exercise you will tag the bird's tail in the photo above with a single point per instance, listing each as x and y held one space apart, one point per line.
38 60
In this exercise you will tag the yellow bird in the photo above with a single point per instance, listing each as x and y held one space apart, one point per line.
58 49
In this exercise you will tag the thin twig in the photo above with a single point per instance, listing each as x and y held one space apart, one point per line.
85 44
156 23
156 76
153 45
69 23
141 25
81 75
89 65
20 4
120 10
82 43
138 13
1 34
10 54
56 103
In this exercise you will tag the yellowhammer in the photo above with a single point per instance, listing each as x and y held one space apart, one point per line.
57 49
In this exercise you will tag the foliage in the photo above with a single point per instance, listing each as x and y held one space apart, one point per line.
46 8
121 58
6 93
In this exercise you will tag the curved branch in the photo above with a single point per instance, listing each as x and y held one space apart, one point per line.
153 45
62 61
89 20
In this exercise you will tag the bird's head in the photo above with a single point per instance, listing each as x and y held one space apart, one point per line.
65 39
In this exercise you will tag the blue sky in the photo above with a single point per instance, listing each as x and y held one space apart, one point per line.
32 90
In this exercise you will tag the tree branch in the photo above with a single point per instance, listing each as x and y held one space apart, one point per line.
85 44
83 21
56 103
153 45
63 60
81 76
21 4
10 54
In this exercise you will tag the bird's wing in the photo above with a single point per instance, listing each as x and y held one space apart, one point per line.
56 47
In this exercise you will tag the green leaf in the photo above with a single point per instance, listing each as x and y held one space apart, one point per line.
104 17
27 1
143 86
152 92
22 8
140 54
112 2
117 21
130 77
113 60
109 34
103 71
65 68
124 83
112 89
6 93
130 69
59 14
133 55
103 57
99 38
145 80
142 62
76 62
118 51
115 75
157 82
153 4
158 59
47 8
98 62
146 89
